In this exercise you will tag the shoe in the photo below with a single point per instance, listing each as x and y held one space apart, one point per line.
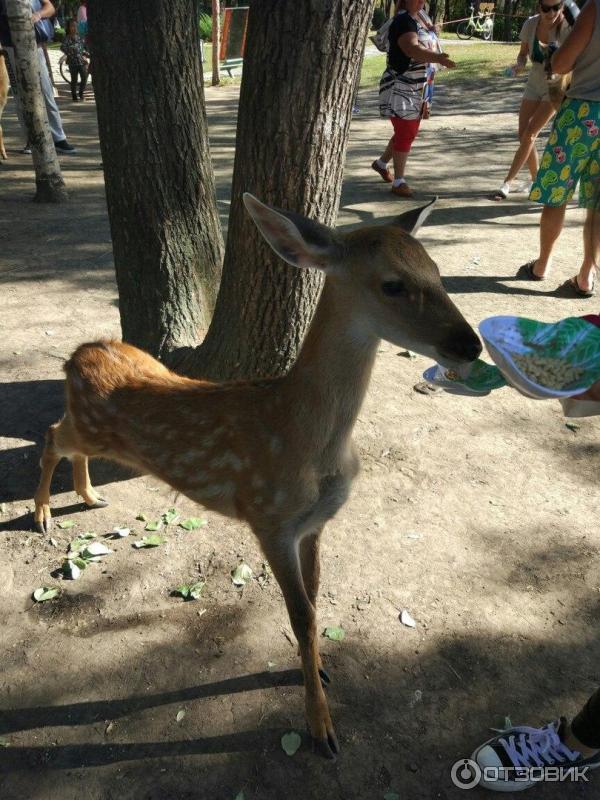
355 109
383 171
526 272
403 190
26 151
571 288
64 147
502 192
518 758
75 99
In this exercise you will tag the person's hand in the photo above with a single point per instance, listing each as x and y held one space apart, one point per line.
36 17
593 393
446 61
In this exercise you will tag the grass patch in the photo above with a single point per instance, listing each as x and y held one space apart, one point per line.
474 62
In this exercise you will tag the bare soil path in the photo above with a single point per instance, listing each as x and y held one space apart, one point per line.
477 515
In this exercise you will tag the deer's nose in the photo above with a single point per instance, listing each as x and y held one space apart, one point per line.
464 347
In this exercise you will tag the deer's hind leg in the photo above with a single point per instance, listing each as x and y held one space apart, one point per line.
50 458
83 485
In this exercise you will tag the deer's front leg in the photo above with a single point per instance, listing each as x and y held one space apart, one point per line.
284 557
311 570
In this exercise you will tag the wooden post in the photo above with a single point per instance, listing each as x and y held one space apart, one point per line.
50 186
216 41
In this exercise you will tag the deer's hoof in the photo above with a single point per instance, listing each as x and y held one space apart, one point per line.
325 677
327 747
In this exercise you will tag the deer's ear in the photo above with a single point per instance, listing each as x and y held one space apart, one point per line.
298 240
412 220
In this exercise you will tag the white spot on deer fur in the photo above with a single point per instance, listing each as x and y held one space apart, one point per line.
275 445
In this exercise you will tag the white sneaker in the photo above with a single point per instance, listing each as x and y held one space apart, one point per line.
502 192
521 757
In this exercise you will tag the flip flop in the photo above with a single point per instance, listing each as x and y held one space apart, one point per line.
526 272
571 288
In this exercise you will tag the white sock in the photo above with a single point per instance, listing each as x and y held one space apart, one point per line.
398 181
381 164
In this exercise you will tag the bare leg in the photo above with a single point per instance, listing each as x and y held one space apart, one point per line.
311 570
48 462
551 225
387 153
591 250
400 160
533 115
284 559
83 485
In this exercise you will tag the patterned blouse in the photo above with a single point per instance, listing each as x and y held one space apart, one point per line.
74 49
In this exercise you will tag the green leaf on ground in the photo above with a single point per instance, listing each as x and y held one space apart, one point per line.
180 714
192 523
334 632
141 517
71 570
4 742
155 525
80 542
3 508
65 523
170 516
150 541
240 796
290 742
190 591
94 551
45 593
572 426
241 574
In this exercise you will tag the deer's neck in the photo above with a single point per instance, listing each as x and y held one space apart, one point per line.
327 384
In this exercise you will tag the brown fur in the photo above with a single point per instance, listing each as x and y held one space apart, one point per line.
276 453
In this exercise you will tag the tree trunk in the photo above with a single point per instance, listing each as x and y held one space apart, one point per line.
50 186
160 189
216 41
300 69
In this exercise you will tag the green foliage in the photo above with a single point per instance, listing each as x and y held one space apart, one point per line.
205 27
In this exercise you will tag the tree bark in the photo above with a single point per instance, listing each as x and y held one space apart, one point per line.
216 41
300 69
160 189
50 186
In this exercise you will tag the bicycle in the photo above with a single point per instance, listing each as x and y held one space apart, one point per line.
482 24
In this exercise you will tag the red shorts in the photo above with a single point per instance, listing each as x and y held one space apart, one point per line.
405 131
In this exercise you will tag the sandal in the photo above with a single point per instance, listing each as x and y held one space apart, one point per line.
502 192
571 288
526 272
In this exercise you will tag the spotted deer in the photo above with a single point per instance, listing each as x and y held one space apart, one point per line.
276 453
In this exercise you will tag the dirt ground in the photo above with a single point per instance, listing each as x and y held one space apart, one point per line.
479 516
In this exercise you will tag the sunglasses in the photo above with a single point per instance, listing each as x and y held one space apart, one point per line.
547 9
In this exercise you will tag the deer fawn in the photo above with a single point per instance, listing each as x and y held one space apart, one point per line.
276 453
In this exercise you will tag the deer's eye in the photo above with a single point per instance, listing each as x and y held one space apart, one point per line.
393 288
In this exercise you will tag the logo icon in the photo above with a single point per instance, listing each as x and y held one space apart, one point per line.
465 773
